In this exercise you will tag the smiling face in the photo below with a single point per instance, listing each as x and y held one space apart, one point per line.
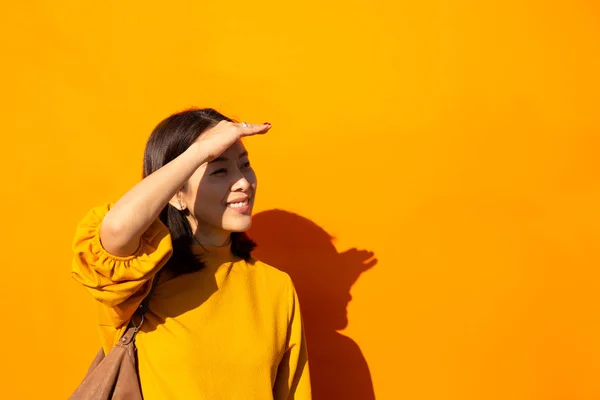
220 196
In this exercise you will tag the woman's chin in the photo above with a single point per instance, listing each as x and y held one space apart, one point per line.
238 224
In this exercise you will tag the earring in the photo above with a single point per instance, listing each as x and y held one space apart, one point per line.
181 207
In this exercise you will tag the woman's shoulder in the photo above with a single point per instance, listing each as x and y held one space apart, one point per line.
266 271
273 284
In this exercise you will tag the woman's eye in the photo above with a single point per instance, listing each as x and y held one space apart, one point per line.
246 165
220 171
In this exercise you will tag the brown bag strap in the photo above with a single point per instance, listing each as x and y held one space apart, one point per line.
133 328
144 304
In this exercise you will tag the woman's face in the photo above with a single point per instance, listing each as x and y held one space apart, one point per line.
220 194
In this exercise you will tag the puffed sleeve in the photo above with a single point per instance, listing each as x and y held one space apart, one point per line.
293 377
118 283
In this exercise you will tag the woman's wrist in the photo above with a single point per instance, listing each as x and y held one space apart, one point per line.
199 153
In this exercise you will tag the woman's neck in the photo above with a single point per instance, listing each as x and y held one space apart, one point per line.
213 240
210 236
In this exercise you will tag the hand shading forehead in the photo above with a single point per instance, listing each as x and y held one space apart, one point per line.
235 152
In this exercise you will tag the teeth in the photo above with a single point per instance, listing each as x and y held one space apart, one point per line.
237 205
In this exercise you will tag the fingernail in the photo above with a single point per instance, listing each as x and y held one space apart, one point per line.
267 123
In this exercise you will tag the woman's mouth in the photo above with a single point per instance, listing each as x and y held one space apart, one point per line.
242 206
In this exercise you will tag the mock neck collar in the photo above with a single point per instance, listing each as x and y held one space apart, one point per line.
217 253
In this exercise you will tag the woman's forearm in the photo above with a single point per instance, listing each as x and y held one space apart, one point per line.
133 213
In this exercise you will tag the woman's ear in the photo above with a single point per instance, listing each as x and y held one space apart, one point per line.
177 202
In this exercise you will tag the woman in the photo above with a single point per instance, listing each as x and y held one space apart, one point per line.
219 325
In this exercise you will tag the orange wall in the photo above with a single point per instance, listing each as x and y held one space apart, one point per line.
458 141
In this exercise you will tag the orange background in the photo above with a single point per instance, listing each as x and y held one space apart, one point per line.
457 140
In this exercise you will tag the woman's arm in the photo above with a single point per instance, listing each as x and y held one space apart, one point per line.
133 213
293 376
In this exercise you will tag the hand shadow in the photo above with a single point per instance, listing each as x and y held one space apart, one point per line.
323 278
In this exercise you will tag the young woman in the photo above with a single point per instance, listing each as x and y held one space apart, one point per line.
219 324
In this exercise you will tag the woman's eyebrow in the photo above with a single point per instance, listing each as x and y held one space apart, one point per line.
221 158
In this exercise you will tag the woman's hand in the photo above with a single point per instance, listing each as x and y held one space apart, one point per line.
216 140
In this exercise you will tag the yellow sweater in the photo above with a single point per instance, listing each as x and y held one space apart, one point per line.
230 331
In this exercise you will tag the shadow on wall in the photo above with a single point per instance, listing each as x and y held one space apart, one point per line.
323 278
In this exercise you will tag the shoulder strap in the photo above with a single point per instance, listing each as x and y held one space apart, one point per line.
134 327
144 304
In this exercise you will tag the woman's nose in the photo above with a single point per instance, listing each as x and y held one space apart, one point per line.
242 184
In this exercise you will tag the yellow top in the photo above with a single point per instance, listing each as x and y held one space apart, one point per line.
230 331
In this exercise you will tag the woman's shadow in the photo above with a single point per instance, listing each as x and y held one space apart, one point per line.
323 278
